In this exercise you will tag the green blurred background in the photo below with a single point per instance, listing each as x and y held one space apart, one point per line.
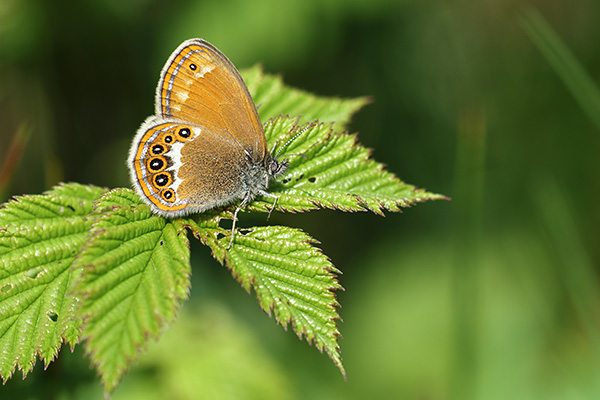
493 295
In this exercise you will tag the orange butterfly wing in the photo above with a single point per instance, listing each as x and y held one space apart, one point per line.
181 168
199 85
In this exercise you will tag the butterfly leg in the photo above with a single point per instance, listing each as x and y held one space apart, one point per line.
238 208
271 195
242 204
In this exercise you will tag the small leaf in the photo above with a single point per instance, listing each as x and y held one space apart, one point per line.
134 275
292 279
335 172
39 238
273 98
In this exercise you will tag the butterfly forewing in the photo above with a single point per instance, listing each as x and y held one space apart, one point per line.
201 86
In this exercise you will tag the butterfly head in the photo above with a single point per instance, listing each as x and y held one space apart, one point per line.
276 168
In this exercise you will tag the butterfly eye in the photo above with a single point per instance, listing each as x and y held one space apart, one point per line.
163 179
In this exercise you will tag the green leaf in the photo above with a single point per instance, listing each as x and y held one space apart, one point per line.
273 98
40 236
128 270
292 280
333 171
135 273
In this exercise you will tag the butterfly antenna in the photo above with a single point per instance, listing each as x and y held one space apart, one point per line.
294 137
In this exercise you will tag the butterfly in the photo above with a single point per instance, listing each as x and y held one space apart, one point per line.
205 146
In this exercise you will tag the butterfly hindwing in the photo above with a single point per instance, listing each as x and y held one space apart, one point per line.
182 168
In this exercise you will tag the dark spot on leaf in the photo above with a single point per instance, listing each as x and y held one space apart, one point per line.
7 288
161 243
52 315
72 208
286 180
312 179
300 177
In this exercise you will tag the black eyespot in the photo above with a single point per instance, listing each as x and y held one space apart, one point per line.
158 149
185 133
162 179
156 164
168 195
168 139
193 67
